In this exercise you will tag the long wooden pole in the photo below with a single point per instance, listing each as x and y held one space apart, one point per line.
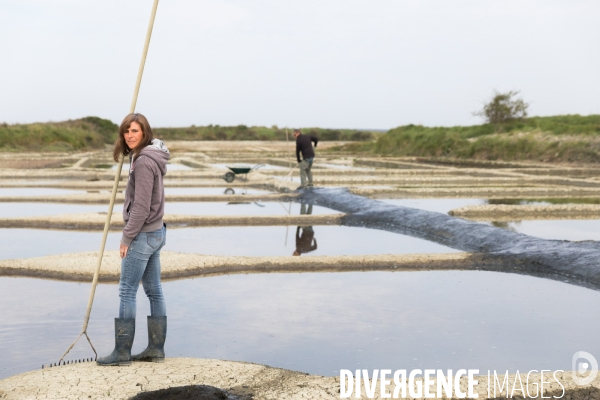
287 138
136 91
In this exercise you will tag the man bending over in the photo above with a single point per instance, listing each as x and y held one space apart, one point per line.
304 146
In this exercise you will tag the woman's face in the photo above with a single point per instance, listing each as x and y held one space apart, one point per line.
133 135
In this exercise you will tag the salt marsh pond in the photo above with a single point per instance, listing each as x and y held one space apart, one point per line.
314 322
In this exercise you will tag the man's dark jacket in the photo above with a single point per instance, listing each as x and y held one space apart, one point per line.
304 146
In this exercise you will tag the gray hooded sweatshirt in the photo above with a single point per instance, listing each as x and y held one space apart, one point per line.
145 194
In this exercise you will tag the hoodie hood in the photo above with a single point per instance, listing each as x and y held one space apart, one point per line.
158 152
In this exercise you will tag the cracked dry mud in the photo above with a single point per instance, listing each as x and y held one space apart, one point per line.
238 379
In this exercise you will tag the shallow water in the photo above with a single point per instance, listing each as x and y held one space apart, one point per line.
321 322
214 190
231 240
555 229
437 205
12 210
241 207
546 229
37 191
444 205
281 241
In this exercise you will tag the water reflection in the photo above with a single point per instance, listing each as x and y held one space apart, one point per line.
305 235
508 225
573 230
222 241
319 323
241 206
37 192
212 191
443 205
305 240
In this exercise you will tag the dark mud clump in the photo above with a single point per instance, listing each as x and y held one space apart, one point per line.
192 392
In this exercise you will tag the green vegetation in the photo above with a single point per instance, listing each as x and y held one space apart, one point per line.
566 138
503 108
93 133
243 132
81 134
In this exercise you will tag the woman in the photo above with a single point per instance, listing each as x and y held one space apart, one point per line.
143 237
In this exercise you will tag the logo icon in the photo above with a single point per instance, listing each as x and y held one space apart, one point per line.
584 368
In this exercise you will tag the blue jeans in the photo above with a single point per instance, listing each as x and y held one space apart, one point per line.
142 262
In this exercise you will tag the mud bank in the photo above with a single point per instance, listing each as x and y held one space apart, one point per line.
96 221
575 262
80 266
108 185
241 381
497 212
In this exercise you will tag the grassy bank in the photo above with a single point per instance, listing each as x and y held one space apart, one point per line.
81 134
567 138
93 133
243 132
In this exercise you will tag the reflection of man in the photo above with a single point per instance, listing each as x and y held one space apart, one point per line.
304 146
305 209
304 241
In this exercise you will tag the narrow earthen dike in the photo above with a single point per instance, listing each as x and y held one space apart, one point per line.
571 262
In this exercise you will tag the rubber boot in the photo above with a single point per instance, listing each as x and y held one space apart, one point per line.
124 333
157 333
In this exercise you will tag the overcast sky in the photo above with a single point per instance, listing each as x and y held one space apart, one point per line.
328 63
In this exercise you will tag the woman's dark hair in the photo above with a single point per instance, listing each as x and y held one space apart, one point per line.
121 147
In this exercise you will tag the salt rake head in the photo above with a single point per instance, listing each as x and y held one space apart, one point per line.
62 362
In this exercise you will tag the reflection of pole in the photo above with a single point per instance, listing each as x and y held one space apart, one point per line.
287 138
291 162
287 228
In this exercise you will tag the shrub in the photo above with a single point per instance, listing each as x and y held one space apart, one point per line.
503 108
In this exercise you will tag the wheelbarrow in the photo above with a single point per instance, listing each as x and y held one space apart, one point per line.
233 171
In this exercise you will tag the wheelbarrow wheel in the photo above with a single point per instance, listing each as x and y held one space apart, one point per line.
229 177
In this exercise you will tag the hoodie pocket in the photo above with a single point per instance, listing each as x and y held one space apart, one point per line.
127 206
